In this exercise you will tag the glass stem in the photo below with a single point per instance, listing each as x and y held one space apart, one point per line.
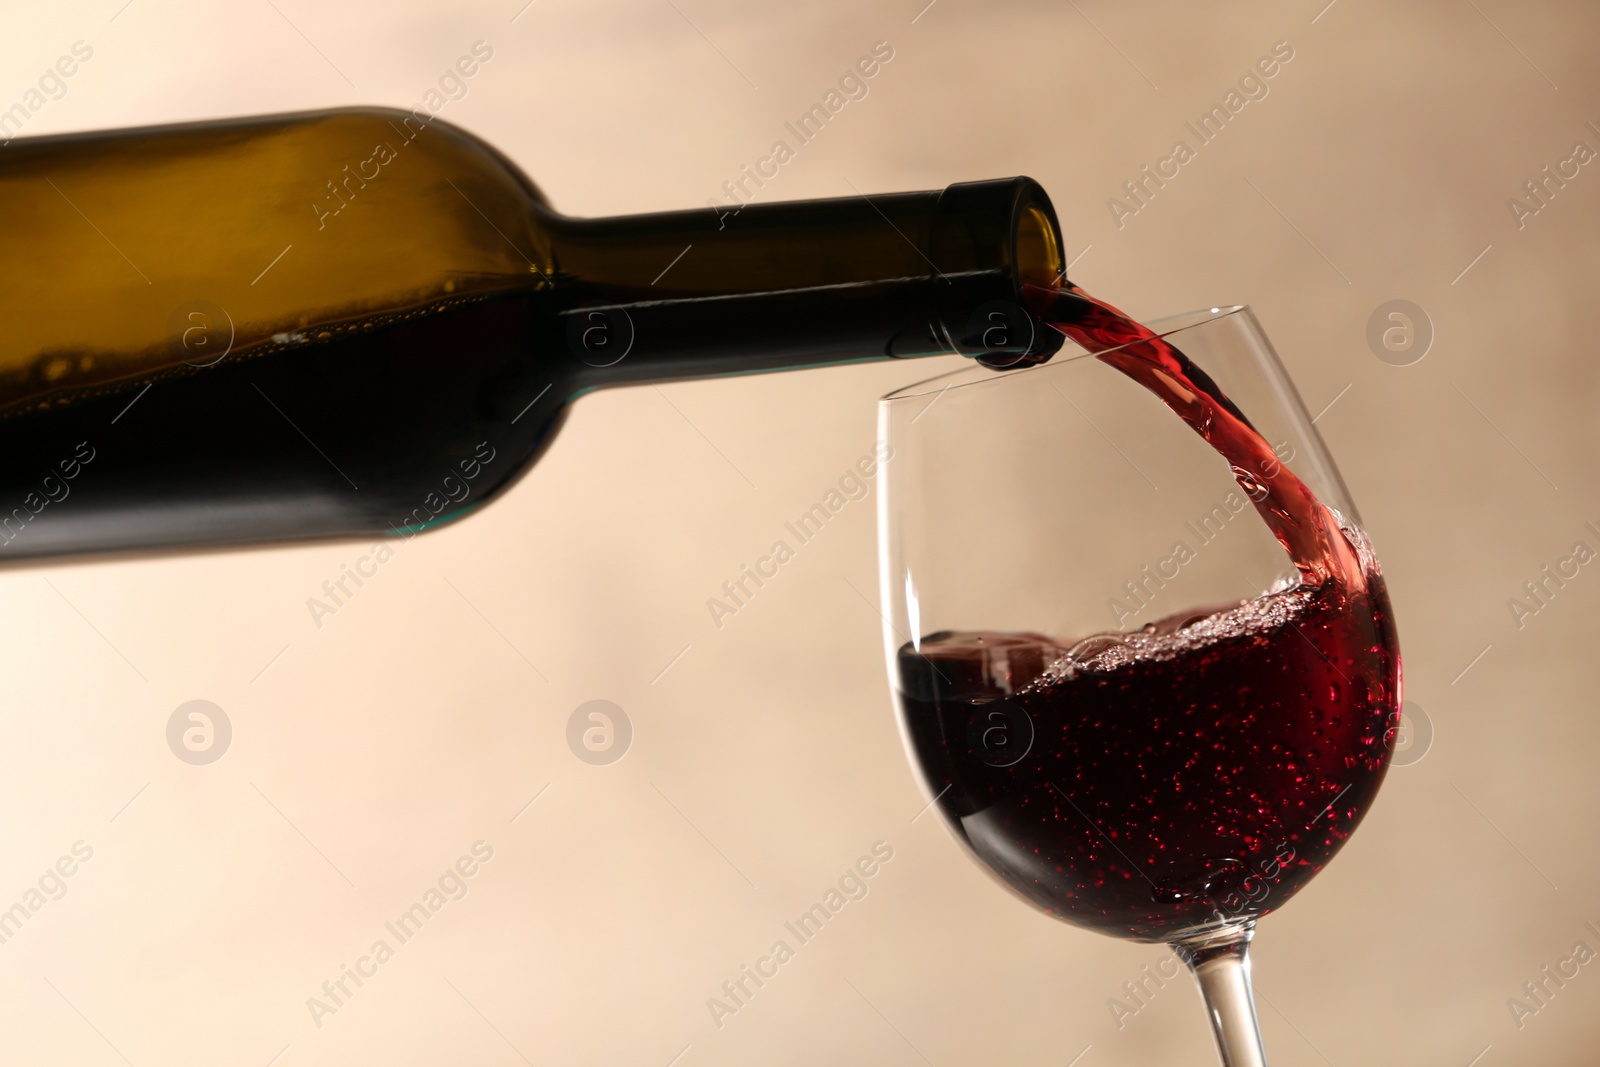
1220 964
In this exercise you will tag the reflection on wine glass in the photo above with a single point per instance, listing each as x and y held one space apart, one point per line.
1153 690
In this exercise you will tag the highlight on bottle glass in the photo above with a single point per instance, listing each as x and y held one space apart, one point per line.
1141 650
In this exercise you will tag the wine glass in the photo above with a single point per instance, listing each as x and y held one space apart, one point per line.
1124 696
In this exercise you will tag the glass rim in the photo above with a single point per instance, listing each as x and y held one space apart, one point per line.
1165 326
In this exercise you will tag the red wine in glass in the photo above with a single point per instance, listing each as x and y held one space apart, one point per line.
1197 772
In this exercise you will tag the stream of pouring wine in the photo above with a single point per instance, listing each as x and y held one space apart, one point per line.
1306 529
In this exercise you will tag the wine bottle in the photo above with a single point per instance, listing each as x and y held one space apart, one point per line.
368 322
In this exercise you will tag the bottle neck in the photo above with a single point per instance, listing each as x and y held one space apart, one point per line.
718 291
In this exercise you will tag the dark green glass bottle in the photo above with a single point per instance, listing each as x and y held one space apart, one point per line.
360 323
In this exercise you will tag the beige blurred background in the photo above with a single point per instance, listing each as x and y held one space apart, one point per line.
372 752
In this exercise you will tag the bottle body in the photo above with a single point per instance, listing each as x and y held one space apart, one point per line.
367 322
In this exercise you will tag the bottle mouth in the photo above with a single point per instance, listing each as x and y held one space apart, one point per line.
1005 235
